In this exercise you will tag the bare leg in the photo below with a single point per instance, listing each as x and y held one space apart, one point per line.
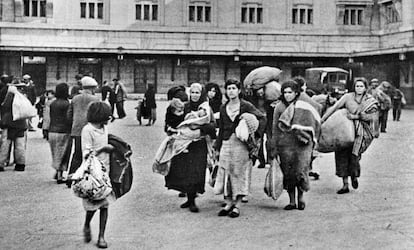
292 201
86 227
102 225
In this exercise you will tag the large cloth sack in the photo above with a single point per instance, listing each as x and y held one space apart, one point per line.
120 167
273 185
22 108
258 77
91 181
337 132
272 91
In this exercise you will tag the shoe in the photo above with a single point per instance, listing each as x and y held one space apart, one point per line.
301 205
290 207
185 204
261 165
1 169
19 168
148 125
383 131
244 200
101 243
225 212
87 234
69 183
223 204
61 181
193 208
182 195
343 191
235 212
355 183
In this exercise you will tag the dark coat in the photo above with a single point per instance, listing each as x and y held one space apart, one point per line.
188 170
59 122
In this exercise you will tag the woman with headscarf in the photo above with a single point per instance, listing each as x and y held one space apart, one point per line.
295 129
363 110
188 169
59 131
235 163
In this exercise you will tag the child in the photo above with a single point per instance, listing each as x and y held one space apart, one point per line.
174 116
95 139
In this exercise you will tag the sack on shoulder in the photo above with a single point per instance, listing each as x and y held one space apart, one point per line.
273 185
22 108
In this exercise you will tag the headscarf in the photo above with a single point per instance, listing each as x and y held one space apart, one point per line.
194 105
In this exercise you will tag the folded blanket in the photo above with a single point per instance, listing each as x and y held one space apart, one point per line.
302 119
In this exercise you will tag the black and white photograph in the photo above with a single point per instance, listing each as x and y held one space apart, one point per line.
206 124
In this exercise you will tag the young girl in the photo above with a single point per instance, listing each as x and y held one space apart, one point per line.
95 140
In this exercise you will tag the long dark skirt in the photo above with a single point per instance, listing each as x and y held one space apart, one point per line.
347 164
188 170
295 161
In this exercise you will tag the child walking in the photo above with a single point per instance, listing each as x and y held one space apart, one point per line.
95 140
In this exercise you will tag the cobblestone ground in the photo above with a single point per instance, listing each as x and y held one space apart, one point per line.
36 213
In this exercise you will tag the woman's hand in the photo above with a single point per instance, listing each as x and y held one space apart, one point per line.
352 116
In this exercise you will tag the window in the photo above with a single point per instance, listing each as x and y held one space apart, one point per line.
391 13
199 12
34 8
302 15
91 9
353 15
252 13
146 11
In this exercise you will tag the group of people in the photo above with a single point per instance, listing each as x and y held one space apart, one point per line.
295 125
77 119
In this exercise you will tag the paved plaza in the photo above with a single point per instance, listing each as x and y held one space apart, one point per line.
36 213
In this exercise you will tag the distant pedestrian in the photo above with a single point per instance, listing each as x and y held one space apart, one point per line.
398 101
30 93
77 88
14 132
215 99
381 93
363 110
95 140
151 105
120 96
58 132
108 94
77 113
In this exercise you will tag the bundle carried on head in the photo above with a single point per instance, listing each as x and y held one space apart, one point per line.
259 77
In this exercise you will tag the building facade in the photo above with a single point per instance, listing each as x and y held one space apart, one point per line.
170 42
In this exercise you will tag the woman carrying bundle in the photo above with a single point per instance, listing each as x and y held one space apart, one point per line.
235 164
363 110
296 127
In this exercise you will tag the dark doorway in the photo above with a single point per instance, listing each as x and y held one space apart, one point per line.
198 73
91 67
145 72
37 72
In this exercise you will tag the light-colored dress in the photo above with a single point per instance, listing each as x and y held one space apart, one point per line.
92 139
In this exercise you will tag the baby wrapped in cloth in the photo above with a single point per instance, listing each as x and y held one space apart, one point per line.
177 143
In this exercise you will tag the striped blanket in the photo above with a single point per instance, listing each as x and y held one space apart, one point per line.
302 119
364 129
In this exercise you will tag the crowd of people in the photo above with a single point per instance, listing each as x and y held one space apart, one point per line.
204 127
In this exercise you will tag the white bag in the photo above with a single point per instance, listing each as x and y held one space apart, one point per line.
91 181
22 108
273 186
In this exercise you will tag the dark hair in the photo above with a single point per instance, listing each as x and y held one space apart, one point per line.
78 76
360 79
300 81
215 86
289 84
62 91
229 82
99 112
